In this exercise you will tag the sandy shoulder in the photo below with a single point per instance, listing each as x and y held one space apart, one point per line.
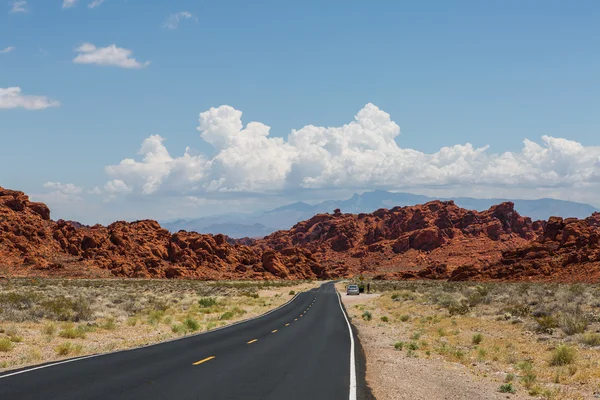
393 375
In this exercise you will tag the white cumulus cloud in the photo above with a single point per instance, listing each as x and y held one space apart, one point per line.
13 98
107 56
172 21
362 154
117 186
19 6
7 50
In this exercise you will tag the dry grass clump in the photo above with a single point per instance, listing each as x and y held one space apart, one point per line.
544 335
55 318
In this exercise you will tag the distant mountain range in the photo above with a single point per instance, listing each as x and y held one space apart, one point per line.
261 224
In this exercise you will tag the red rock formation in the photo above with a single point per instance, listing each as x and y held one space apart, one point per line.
30 243
437 240
405 238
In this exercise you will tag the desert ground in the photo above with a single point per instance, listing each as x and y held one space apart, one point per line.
426 340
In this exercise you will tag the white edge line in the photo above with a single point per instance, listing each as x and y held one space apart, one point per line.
352 395
153 344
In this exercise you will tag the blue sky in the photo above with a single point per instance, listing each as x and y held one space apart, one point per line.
447 73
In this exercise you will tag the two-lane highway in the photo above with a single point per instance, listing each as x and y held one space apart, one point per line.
303 350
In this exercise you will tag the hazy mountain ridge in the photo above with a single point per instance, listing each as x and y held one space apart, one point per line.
284 217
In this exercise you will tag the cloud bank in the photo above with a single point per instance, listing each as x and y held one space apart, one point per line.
362 154
107 56
13 98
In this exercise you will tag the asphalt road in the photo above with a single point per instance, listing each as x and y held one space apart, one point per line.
300 351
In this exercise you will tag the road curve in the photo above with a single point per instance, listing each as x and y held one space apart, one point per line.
300 351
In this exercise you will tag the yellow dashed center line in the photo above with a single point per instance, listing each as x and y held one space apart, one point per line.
287 324
252 341
274 330
296 319
203 361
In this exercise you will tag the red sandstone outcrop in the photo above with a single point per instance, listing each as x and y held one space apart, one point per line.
30 243
437 240
408 238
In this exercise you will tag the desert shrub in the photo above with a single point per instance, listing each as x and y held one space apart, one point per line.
155 316
191 324
417 335
226 315
563 355
207 302
413 346
477 295
399 345
292 292
546 324
517 309
477 338
109 324
507 388
591 339
67 348
404 317
385 319
62 308
572 324
72 333
158 304
367 316
179 328
5 345
210 325
528 377
458 308
49 329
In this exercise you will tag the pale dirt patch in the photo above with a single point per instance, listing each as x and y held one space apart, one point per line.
392 375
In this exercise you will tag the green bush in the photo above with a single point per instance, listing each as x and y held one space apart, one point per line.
385 319
404 317
207 302
563 355
226 315
477 338
292 292
191 324
399 345
367 316
507 388
413 346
